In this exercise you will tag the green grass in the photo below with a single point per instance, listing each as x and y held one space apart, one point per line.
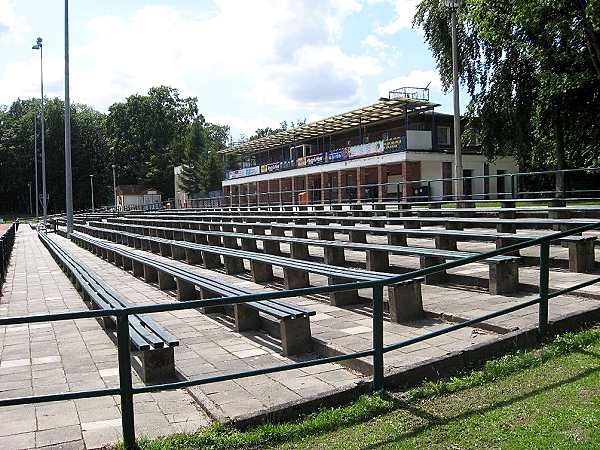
545 398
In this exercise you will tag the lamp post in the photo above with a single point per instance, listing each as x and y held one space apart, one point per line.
114 185
38 46
35 159
68 172
30 204
458 165
92 189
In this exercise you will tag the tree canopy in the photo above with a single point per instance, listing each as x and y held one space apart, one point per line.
531 68
145 136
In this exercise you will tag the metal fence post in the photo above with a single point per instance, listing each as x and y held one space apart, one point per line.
378 338
512 186
125 384
544 281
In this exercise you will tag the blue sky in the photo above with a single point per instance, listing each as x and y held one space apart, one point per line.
251 63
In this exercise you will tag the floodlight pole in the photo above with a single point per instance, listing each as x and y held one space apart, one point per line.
458 163
68 172
39 46
114 185
30 204
92 189
35 159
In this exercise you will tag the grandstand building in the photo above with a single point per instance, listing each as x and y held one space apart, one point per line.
371 153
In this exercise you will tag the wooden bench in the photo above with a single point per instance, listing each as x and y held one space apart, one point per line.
152 345
581 248
293 321
503 270
404 299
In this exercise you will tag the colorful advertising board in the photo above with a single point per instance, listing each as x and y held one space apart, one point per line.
247 172
338 155
312 160
372 148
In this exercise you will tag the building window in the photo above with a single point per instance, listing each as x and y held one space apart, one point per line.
443 135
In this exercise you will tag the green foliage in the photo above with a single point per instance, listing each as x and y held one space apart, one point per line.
146 137
89 150
534 85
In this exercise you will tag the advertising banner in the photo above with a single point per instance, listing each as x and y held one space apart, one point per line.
263 168
273 167
301 162
372 148
338 155
312 160
247 172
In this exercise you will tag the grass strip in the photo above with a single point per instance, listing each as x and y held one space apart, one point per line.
367 407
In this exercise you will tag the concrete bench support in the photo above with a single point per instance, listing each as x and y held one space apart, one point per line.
342 298
165 281
211 260
157 365
397 239
411 224
272 247
138 269
299 250
405 301
378 261
127 264
186 290
326 235
177 252
294 278
165 249
261 272
433 278
193 256
249 245
233 265
504 278
246 318
150 274
445 243
300 233
295 336
334 256
358 236
581 256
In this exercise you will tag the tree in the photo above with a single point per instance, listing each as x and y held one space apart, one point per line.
535 93
145 134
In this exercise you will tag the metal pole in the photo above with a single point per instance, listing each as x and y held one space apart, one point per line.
35 159
44 194
30 204
544 279
378 338
458 166
114 185
125 384
92 189
68 173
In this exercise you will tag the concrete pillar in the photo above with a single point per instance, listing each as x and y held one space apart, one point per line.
405 301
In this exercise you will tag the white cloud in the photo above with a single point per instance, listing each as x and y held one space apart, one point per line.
12 26
284 52
372 41
405 12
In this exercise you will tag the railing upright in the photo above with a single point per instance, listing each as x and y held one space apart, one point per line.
378 338
125 383
544 281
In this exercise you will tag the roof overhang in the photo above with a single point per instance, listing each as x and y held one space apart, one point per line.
385 109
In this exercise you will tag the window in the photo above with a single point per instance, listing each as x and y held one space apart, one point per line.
443 135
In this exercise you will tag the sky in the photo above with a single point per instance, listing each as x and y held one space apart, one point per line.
250 63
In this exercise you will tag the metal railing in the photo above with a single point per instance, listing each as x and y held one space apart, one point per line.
7 240
127 390
519 185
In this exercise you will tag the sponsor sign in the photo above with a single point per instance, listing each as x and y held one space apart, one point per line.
263 168
247 172
312 160
338 155
273 167
301 162
372 148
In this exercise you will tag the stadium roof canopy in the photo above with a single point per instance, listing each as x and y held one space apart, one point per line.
382 110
